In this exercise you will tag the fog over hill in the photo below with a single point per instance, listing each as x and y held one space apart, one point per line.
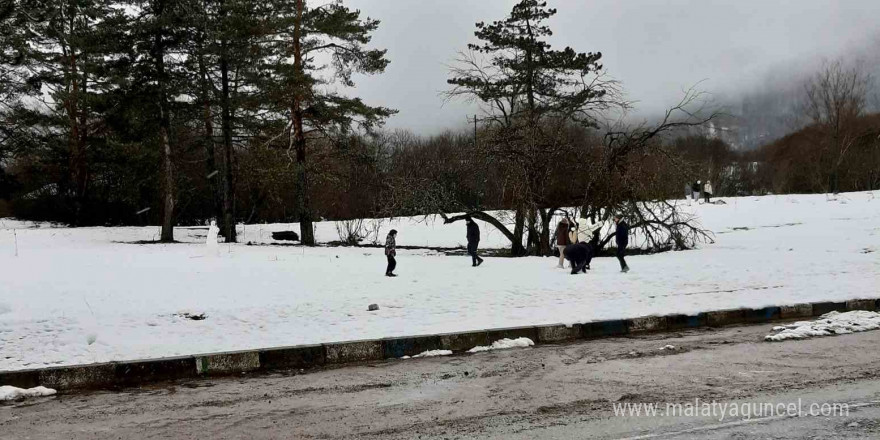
748 54
770 106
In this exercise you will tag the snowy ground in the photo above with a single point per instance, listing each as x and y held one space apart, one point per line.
74 296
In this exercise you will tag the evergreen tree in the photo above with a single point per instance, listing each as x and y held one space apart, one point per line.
203 90
527 78
156 31
12 52
312 47
223 48
11 79
530 93
54 53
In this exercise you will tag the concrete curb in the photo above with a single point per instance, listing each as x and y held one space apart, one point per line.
135 373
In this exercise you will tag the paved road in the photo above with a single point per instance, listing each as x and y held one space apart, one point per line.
564 392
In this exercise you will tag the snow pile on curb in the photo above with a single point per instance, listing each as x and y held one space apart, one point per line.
8 393
429 353
832 323
504 344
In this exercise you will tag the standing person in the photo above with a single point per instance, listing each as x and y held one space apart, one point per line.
621 237
707 191
473 240
688 192
562 240
698 190
391 252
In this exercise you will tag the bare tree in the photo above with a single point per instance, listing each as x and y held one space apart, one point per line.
632 170
636 167
351 232
833 99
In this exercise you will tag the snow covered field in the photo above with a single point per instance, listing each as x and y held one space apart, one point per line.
74 296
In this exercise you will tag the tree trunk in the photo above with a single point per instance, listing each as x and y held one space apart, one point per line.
530 77
164 133
229 165
546 214
517 249
303 208
210 151
77 163
532 237
77 159
168 181
82 164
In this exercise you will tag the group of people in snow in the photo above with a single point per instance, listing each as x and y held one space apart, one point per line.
698 190
579 253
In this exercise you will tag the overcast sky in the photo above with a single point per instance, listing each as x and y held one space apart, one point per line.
655 48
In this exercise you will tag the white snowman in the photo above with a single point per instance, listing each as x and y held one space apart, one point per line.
213 231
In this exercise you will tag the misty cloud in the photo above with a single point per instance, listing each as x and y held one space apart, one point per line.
656 48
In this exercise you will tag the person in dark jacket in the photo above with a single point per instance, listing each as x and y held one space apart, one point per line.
391 252
581 254
576 254
562 239
473 240
621 238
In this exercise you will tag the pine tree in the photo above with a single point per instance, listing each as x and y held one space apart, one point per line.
58 49
156 32
530 93
12 53
223 48
203 89
527 78
12 81
313 47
